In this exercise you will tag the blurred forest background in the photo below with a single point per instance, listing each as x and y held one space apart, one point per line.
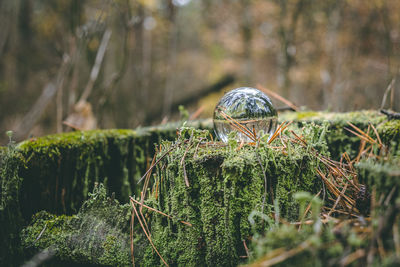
128 63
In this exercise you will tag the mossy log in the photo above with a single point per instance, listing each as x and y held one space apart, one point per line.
340 139
55 174
223 186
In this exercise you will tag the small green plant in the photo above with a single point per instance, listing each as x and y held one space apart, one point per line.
184 113
11 143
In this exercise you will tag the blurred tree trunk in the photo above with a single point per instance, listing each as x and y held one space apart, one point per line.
247 36
288 20
171 59
384 15
116 66
393 54
137 58
75 49
146 58
9 15
331 76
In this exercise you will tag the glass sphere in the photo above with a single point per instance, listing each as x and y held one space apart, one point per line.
246 111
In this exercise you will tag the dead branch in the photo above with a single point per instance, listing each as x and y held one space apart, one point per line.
193 97
97 64
147 233
388 89
280 254
159 212
391 115
278 97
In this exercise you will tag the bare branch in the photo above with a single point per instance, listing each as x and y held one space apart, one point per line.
97 64
388 89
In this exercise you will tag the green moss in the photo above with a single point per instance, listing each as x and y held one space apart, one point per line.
98 234
316 246
390 134
340 140
356 117
302 115
55 173
10 214
381 175
225 185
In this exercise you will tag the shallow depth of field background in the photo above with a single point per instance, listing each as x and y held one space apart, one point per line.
337 55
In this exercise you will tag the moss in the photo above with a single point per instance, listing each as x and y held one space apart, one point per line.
10 214
226 185
356 117
59 170
381 175
324 247
98 234
331 246
340 140
390 134
55 173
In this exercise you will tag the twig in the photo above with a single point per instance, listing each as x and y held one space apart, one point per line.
39 236
361 150
265 183
279 130
352 257
388 89
143 219
391 115
59 109
146 182
97 64
337 200
147 234
278 97
361 134
376 134
197 113
155 164
334 189
131 237
246 249
160 212
239 126
308 209
282 255
183 161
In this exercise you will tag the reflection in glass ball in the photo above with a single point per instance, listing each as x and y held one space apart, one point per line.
246 111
